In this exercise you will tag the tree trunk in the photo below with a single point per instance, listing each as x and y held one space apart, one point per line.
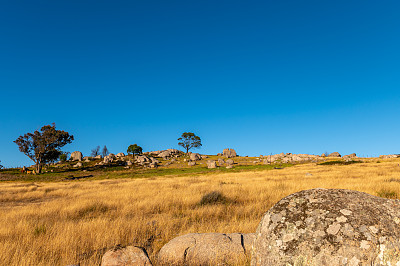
38 168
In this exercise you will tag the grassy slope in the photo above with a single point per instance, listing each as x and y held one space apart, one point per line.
70 222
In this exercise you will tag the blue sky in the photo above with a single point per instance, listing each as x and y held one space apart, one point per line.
258 76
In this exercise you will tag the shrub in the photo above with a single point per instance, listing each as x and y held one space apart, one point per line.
63 157
214 197
338 162
387 194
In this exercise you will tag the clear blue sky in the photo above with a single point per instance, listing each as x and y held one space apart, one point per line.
258 76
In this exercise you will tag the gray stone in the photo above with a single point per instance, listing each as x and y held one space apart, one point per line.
334 154
78 164
121 154
211 164
195 157
192 163
329 227
229 166
230 162
221 161
76 156
128 256
229 153
207 249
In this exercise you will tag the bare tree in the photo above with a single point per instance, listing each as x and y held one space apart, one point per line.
95 151
104 151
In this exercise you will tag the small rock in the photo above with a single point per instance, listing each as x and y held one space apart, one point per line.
128 256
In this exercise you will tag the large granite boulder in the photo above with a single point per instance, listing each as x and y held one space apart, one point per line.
128 256
195 157
121 154
329 227
76 156
229 153
206 249
334 154
211 164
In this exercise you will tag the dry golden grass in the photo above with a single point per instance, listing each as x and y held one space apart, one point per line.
74 222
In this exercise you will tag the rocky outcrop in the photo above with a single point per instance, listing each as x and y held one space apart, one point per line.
335 154
76 156
221 161
121 154
165 154
329 227
290 158
229 153
192 163
390 156
128 256
206 249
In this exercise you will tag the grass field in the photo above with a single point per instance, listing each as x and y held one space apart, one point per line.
76 221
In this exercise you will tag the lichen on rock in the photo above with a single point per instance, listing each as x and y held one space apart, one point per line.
329 227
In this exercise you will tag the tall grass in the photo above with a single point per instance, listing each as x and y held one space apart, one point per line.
75 222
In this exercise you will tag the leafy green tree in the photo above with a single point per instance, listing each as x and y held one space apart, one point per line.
43 146
189 140
134 149
64 156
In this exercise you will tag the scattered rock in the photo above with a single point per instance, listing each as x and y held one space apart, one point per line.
128 256
390 156
206 249
229 153
204 156
211 164
192 163
78 164
98 157
329 227
221 161
121 154
229 167
129 163
195 156
334 154
230 162
76 156
108 159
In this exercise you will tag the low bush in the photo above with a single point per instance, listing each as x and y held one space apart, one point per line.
214 197
338 162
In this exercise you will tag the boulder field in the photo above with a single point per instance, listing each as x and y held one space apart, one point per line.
311 227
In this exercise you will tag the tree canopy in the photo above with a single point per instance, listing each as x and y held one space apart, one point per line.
43 146
189 140
134 149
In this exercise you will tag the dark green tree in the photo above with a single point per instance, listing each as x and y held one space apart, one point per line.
1 166
189 140
134 149
43 146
